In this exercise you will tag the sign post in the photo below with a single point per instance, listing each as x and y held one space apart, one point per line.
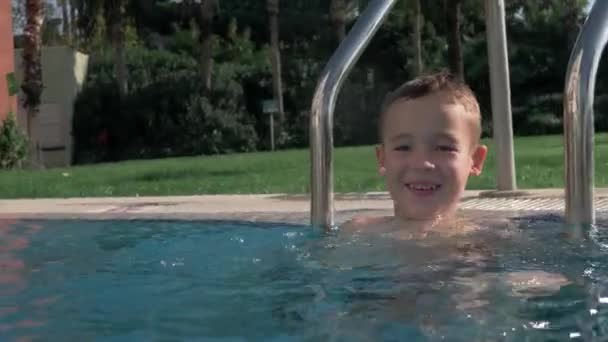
270 107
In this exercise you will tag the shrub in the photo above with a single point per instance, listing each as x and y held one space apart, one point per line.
210 128
144 66
13 143
167 114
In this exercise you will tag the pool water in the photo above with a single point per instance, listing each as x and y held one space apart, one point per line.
237 281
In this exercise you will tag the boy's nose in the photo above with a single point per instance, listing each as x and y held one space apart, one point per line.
422 161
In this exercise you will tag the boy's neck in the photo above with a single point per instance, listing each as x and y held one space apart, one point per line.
438 223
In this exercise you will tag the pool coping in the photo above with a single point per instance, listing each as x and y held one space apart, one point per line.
257 207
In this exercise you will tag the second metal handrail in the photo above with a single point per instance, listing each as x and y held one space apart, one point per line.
578 115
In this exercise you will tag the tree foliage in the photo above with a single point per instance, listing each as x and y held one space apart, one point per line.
540 37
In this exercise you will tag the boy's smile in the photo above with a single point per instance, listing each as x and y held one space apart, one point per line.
429 148
423 189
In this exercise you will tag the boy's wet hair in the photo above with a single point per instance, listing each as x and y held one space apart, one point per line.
433 83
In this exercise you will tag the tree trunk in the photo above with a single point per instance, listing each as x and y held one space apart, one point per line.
67 31
454 44
572 21
206 32
73 20
185 12
115 20
337 19
272 6
32 59
417 32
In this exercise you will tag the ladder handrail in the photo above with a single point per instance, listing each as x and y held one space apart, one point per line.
323 104
578 115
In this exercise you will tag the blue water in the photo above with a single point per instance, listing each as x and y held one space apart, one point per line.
236 281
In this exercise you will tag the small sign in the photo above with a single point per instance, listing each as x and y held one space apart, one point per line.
270 106
11 83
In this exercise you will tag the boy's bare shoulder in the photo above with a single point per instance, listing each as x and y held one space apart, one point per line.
376 224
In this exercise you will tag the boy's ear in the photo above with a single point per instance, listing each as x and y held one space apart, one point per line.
380 158
479 157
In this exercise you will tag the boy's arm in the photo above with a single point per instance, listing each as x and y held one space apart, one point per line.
534 283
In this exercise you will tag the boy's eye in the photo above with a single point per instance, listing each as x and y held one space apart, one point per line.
402 148
447 148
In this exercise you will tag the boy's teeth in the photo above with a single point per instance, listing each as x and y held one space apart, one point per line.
420 187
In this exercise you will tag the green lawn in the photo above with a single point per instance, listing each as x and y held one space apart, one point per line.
539 163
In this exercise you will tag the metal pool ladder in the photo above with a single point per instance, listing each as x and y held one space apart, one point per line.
578 115
578 112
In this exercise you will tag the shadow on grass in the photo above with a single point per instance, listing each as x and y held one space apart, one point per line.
155 176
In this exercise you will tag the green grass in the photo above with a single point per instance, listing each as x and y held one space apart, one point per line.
539 163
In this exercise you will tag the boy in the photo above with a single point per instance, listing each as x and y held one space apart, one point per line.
430 132
430 143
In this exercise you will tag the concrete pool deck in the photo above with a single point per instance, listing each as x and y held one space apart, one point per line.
268 206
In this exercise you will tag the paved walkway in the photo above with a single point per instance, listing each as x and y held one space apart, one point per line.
252 206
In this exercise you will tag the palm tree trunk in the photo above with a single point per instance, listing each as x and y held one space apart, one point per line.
572 21
417 32
32 59
454 45
337 19
272 6
185 11
115 19
67 31
73 20
207 14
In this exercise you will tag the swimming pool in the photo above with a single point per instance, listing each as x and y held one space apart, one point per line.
235 280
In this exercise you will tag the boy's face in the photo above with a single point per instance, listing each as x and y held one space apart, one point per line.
429 148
